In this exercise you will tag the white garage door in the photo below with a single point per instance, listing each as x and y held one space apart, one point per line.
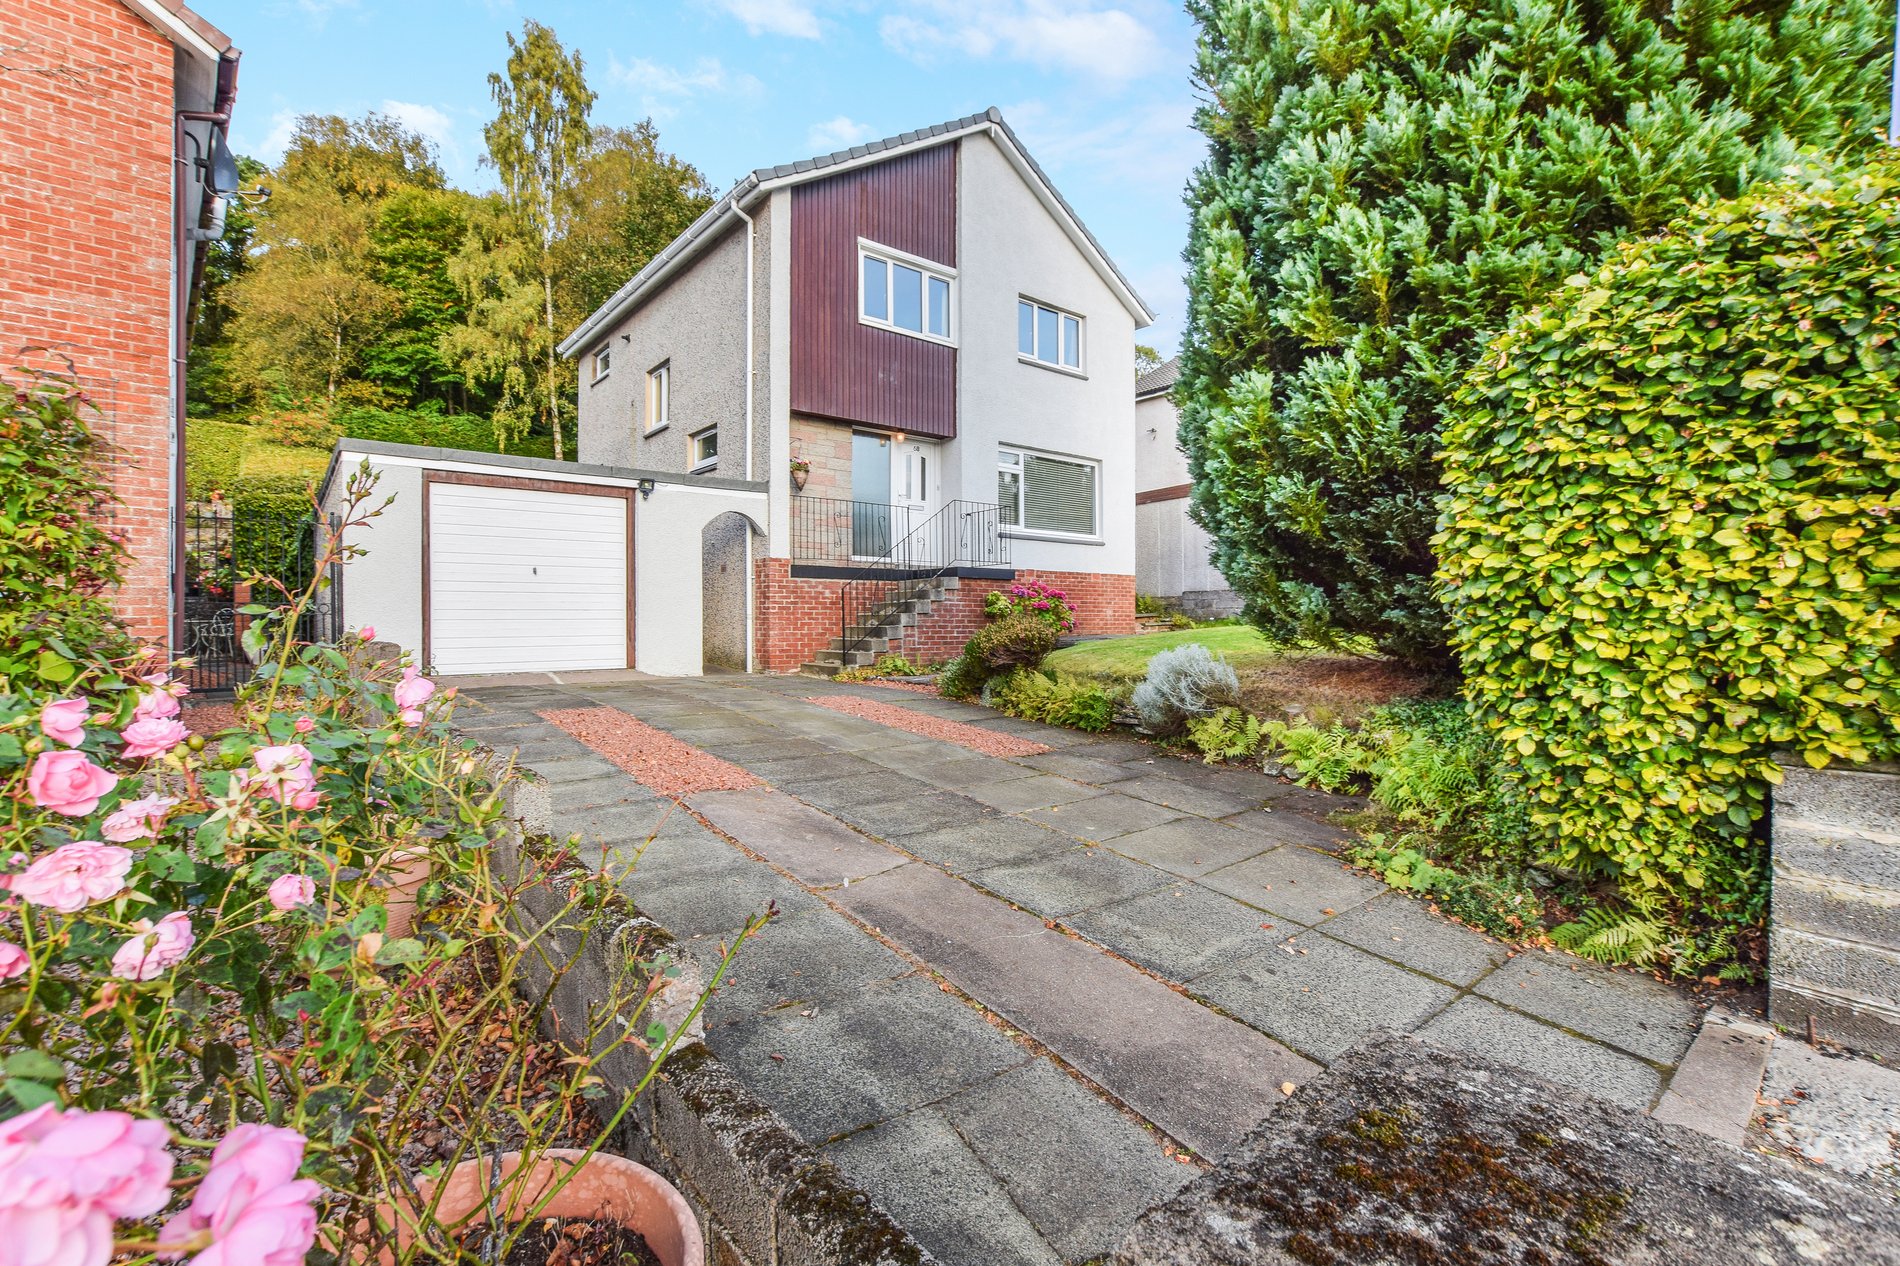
526 581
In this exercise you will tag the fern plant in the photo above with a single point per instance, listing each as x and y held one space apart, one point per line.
1227 734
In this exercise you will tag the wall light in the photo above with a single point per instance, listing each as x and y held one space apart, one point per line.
646 488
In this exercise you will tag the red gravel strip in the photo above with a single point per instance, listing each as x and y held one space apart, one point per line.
974 737
208 718
655 758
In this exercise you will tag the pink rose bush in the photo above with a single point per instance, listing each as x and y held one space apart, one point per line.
68 783
152 736
288 892
139 819
412 692
64 721
65 1176
74 876
283 772
251 1209
1034 598
13 961
156 949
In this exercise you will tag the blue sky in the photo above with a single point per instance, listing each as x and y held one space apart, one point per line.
1098 89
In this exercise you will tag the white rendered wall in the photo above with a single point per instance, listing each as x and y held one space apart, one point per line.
1009 245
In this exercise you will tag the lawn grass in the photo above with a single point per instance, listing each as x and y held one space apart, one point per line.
1277 681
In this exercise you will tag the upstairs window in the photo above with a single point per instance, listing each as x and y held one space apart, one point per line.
1040 493
1048 335
603 361
904 293
659 395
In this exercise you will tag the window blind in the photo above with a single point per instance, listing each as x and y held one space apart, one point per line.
1058 496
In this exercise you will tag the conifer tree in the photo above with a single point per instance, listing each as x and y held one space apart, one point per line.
1387 181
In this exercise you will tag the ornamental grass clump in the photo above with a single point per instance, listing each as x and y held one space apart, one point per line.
1672 531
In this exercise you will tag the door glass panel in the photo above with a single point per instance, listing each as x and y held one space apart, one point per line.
907 298
940 307
876 298
870 494
1046 340
1026 328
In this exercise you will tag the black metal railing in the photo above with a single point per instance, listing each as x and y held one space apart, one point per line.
228 553
839 532
962 534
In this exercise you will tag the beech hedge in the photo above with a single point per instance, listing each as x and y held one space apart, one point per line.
1670 544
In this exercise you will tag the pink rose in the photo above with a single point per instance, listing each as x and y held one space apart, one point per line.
64 721
411 717
251 1204
74 876
13 961
64 1176
306 800
155 705
152 736
367 632
304 725
68 783
138 820
283 771
287 892
413 690
156 949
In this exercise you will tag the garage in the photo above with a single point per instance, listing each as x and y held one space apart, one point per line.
525 575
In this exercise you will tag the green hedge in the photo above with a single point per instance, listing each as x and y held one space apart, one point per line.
1671 543
464 431
214 451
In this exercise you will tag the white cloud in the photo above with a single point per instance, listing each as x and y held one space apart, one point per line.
430 122
1106 43
793 19
663 89
838 133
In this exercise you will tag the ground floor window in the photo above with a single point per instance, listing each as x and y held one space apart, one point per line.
1047 494
705 448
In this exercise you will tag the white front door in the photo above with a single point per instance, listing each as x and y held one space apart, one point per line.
916 480
895 487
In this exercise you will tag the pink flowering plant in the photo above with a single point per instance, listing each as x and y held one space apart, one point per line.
211 1046
1034 599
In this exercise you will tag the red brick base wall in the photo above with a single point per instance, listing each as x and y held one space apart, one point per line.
797 616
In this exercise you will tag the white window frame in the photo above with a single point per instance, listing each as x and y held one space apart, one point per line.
696 463
1022 529
867 249
659 404
603 361
1081 367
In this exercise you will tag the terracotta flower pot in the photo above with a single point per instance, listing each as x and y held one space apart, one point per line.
606 1188
407 872
799 476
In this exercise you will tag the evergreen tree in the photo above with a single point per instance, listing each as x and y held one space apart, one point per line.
1387 182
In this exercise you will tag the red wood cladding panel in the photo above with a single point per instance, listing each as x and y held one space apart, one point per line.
842 368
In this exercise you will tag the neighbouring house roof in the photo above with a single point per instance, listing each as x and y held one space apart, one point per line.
183 27
708 228
1159 380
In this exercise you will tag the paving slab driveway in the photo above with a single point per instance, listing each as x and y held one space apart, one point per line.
1021 999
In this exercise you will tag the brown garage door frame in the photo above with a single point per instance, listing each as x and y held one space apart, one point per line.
467 478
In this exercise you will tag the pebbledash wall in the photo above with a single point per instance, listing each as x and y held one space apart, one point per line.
797 616
85 256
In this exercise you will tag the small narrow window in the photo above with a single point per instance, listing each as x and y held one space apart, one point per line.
659 396
1048 335
1026 327
603 361
906 294
1071 342
705 448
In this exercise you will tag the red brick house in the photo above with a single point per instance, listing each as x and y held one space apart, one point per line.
114 113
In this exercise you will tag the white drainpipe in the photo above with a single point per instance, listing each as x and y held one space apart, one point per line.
750 244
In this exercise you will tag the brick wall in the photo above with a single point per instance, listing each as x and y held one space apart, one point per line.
85 245
797 616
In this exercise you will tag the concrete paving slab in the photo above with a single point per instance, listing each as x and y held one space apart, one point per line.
1321 996
986 842
792 772
815 847
898 1045
1037 791
861 789
1061 884
1286 825
888 819
920 1171
578 766
1094 770
1104 817
1837 1111
773 749
1713 1090
1644 1017
1203 1078
713 900
1183 797
610 789
1397 927
1295 882
1039 1131
929 760
1486 1029
811 958
1182 931
1188 846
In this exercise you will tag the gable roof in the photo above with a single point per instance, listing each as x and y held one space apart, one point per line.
183 27
701 233
1159 380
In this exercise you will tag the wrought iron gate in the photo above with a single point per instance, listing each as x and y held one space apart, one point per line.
228 552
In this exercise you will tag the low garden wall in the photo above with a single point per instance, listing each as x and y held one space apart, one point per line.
764 1197
1834 944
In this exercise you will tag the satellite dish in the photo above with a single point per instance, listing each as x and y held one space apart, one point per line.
222 177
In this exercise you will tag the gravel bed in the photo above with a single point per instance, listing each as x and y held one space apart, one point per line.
974 737
208 718
655 758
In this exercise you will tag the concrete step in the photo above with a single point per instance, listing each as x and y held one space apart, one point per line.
877 645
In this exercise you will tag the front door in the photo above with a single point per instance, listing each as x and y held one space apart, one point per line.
895 488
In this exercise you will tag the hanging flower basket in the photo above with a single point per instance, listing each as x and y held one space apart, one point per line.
801 471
